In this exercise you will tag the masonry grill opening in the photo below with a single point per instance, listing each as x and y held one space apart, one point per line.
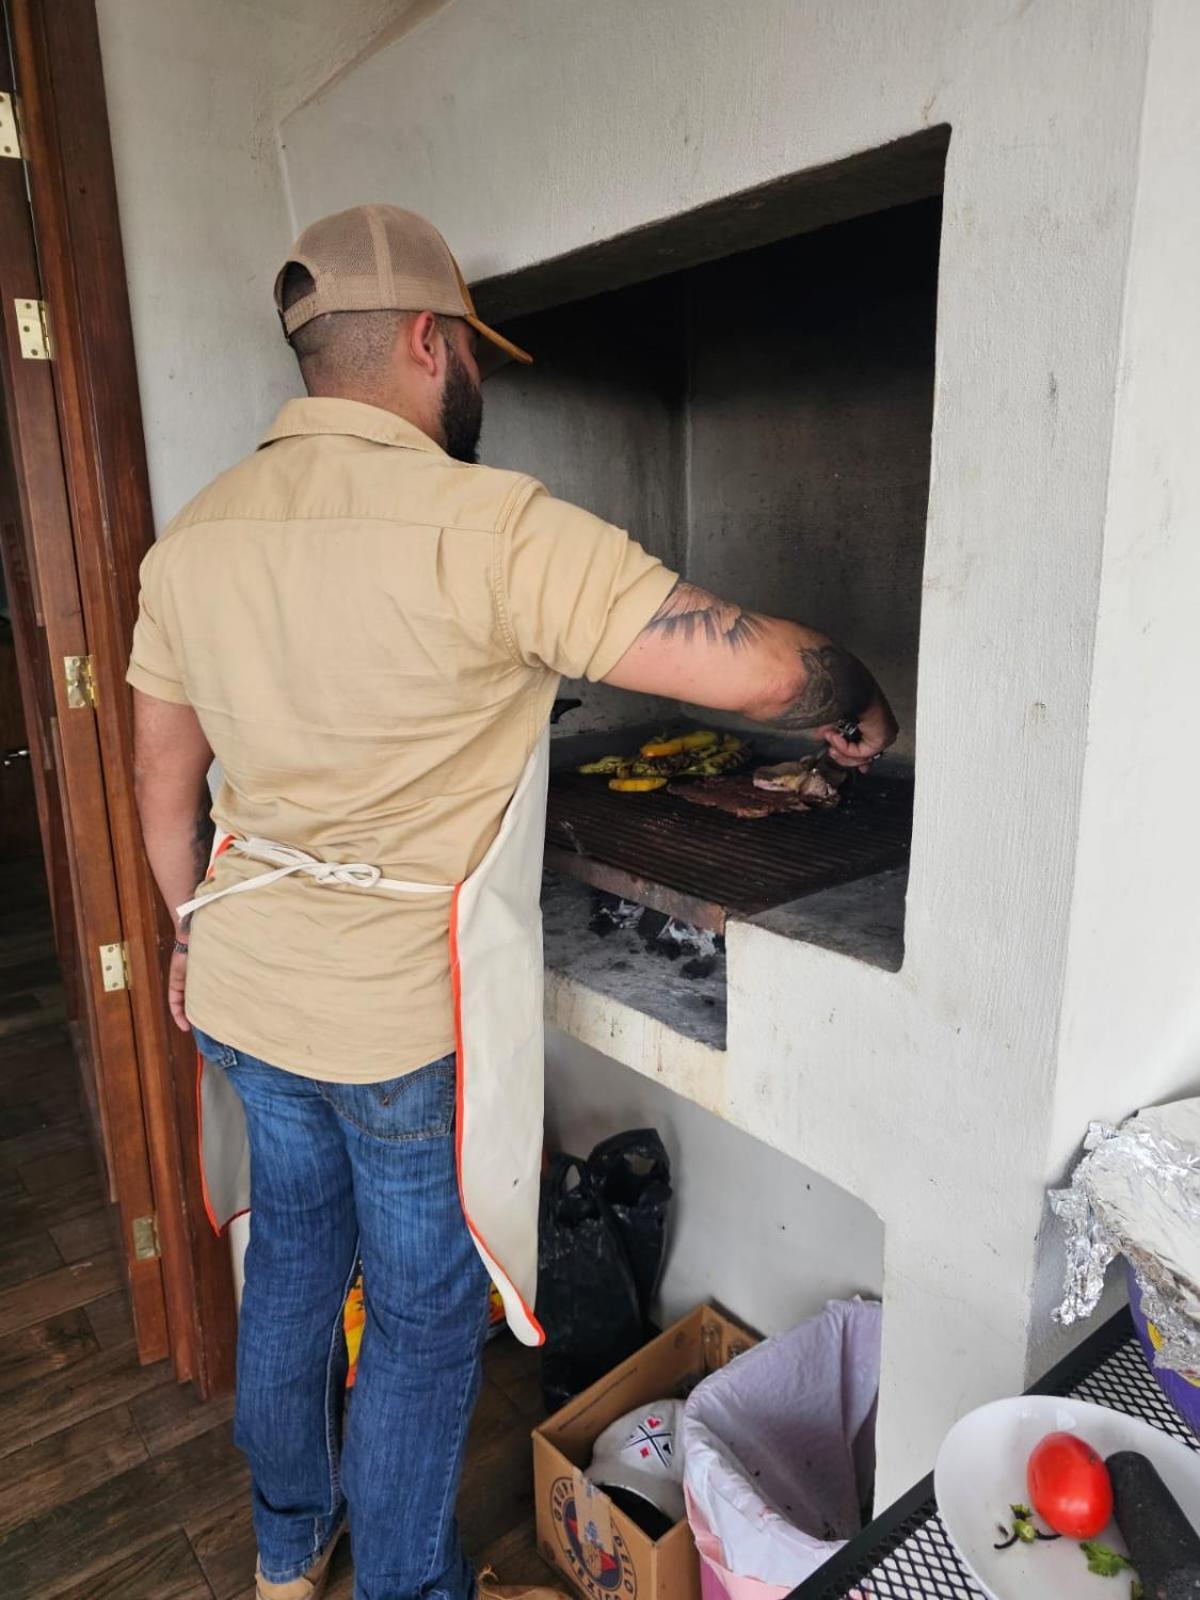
749 390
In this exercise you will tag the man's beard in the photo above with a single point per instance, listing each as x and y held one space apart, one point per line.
462 409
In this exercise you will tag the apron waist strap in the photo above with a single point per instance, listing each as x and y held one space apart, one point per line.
285 860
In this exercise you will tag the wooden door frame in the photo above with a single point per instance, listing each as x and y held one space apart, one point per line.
104 528
37 700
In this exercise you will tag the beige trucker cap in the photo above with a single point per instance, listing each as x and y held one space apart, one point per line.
380 258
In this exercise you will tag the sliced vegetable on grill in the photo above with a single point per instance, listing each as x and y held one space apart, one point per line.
606 765
702 739
703 754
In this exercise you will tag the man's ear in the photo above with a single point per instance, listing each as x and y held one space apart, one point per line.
423 335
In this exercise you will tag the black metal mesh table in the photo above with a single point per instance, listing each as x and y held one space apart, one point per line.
906 1553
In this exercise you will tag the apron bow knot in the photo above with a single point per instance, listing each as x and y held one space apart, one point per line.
286 859
353 874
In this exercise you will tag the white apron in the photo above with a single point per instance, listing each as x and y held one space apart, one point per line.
497 974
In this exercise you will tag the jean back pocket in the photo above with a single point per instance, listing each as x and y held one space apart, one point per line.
416 1105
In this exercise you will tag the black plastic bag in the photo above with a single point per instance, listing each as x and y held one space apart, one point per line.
632 1173
587 1299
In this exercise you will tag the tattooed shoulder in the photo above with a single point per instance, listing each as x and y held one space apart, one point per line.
691 613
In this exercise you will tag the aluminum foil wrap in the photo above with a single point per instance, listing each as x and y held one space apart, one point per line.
1136 1193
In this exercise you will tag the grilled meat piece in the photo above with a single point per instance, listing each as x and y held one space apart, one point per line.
812 779
738 797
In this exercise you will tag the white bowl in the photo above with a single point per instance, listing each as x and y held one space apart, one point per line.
980 1474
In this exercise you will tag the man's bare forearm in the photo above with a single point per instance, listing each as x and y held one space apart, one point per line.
826 683
178 842
171 758
202 840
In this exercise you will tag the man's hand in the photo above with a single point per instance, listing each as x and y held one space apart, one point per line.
877 729
176 987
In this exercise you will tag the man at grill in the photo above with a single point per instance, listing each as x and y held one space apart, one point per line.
366 630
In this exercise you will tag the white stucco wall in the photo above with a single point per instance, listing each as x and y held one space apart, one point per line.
751 1229
1131 1012
196 90
944 1096
531 128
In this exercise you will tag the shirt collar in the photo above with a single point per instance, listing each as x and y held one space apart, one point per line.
317 414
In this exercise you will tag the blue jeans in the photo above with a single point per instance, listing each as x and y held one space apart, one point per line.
342 1173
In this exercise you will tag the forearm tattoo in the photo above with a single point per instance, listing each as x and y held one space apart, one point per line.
202 838
836 685
690 613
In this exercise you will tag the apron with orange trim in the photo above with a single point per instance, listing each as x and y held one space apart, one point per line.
496 973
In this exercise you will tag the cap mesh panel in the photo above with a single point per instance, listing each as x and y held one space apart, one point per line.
380 258
418 272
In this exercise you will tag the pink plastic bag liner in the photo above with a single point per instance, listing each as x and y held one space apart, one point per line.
716 1580
779 1452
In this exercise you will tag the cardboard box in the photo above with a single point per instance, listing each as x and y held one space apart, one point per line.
618 1561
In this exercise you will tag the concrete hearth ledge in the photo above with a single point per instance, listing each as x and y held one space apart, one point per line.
609 992
685 994
693 1069
863 920
613 975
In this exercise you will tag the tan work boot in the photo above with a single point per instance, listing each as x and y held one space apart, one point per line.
489 1589
310 1587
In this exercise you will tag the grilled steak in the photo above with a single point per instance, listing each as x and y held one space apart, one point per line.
739 797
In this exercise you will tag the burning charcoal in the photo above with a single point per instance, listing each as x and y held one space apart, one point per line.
609 912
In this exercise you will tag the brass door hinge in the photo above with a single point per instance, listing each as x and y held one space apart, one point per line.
81 682
114 967
10 130
33 330
145 1238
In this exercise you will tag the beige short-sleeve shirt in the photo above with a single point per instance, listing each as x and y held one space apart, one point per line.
371 635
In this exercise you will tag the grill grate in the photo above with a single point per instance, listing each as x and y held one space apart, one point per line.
704 866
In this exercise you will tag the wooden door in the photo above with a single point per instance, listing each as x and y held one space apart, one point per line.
19 836
74 425
40 724
20 833
45 532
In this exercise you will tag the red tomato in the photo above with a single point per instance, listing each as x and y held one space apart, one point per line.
1069 1486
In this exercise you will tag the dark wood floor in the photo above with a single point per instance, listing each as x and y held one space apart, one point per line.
115 1483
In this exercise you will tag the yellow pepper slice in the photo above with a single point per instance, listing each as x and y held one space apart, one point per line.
636 785
702 739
